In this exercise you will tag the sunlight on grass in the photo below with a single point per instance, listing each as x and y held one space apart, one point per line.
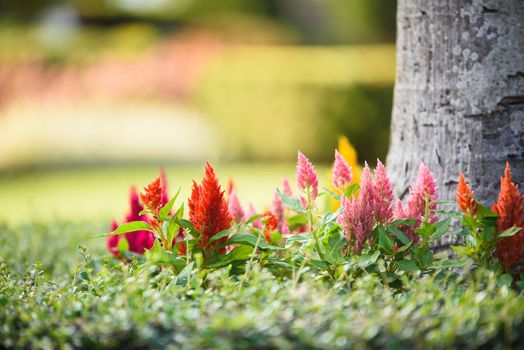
101 193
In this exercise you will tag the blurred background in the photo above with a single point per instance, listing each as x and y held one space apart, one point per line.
96 95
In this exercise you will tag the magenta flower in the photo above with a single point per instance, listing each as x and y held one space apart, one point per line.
341 172
234 206
307 179
277 208
383 195
138 241
250 212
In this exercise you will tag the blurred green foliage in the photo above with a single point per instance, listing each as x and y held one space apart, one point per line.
270 101
330 21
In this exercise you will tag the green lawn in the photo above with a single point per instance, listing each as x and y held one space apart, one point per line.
100 193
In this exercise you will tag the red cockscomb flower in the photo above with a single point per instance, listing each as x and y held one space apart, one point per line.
509 209
465 200
152 196
208 210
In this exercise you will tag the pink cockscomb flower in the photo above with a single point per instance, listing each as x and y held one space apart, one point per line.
357 215
138 241
163 183
277 207
367 192
286 187
383 195
341 172
356 223
250 212
423 191
234 206
307 179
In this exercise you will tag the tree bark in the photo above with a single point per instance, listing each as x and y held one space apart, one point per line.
459 94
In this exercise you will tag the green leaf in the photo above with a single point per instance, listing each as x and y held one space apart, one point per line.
351 189
298 238
329 218
407 222
180 212
171 230
129 227
184 275
385 241
253 219
296 222
84 275
123 245
483 212
364 261
166 209
251 240
319 264
468 221
505 280
442 229
407 265
242 252
291 203
399 234
223 233
509 232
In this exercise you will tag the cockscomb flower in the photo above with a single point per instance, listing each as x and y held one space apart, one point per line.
163 184
270 224
250 212
356 222
230 186
208 210
341 172
357 216
138 241
286 187
367 193
234 206
383 195
509 209
307 179
152 196
277 207
464 197
423 190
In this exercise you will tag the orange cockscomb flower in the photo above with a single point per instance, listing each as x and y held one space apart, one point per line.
509 209
270 224
464 197
152 196
208 210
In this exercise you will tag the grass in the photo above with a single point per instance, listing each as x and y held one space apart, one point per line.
100 193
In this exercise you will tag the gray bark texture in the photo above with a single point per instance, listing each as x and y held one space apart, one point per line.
459 94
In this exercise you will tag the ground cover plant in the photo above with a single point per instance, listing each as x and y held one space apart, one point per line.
211 272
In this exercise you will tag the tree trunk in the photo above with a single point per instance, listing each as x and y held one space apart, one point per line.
459 94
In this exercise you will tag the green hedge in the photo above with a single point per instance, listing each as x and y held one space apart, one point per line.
72 300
